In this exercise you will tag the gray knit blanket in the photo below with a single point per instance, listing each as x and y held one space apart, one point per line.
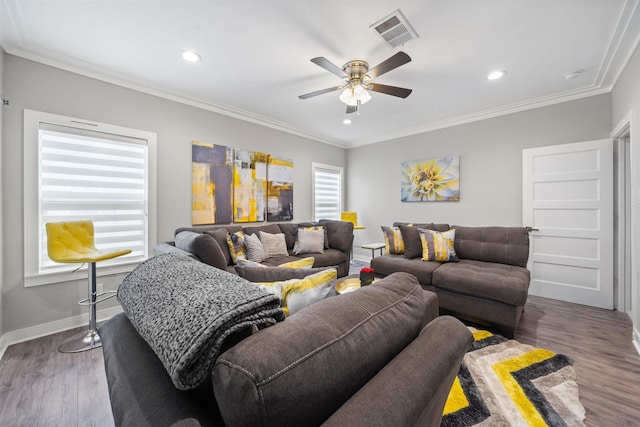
185 309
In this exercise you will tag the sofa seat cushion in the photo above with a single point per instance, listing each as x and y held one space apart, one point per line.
499 282
387 264
285 375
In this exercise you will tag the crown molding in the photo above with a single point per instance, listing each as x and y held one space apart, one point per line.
83 68
489 114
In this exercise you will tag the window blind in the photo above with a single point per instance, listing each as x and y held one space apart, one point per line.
95 176
327 192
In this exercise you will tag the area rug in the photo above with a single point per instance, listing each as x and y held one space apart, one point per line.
505 383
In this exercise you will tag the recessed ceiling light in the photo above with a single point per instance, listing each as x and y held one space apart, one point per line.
495 75
572 75
190 56
347 121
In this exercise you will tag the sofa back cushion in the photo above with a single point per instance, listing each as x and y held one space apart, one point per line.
504 245
285 375
339 233
203 246
220 236
256 229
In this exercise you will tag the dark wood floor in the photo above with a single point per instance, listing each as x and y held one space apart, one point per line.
41 387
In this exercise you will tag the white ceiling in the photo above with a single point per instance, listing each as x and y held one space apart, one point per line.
256 55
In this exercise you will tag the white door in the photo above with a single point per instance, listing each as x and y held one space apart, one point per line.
567 198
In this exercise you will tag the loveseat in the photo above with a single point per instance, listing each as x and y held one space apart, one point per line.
378 356
487 282
210 244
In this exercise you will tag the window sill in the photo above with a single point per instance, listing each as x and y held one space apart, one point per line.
70 276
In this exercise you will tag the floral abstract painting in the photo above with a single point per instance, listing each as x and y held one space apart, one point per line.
279 189
433 180
249 186
211 183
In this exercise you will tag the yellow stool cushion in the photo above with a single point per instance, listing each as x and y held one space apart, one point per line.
73 242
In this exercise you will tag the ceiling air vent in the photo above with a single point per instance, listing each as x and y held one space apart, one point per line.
394 29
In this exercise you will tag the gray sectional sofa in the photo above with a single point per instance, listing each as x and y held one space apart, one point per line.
209 244
378 356
488 285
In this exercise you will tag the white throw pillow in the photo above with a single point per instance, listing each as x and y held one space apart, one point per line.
273 244
309 242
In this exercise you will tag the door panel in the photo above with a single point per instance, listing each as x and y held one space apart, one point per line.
568 200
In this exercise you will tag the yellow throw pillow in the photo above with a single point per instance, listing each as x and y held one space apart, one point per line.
296 294
299 263
393 243
235 241
437 246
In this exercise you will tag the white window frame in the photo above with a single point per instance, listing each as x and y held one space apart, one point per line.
327 168
32 228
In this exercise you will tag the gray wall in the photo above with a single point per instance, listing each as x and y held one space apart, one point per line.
490 166
39 87
626 99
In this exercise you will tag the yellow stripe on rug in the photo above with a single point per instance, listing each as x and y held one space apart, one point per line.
506 383
504 371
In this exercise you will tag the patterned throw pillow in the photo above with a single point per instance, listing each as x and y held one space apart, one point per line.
255 251
235 241
310 241
296 294
299 263
438 246
393 243
274 244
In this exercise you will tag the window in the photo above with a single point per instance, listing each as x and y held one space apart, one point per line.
327 191
76 170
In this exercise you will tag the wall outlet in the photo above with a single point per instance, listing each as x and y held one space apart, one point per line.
99 288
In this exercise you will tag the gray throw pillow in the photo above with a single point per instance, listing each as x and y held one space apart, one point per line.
309 242
273 244
255 251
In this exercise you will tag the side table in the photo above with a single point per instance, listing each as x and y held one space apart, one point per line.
374 247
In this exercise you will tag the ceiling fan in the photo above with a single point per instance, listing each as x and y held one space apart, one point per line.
358 77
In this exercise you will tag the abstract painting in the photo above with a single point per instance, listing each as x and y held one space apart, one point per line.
432 180
211 183
249 186
279 189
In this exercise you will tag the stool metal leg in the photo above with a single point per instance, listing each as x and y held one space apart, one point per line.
90 339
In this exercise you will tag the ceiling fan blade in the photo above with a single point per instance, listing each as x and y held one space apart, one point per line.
351 109
329 66
390 90
389 64
320 92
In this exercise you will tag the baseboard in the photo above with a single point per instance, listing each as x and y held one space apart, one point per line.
362 258
32 332
636 339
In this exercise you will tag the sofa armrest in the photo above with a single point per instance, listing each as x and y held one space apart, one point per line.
420 377
169 247
141 392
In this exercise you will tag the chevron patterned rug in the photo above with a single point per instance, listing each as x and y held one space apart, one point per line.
505 383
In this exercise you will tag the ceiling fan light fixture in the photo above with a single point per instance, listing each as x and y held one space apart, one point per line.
347 121
352 94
